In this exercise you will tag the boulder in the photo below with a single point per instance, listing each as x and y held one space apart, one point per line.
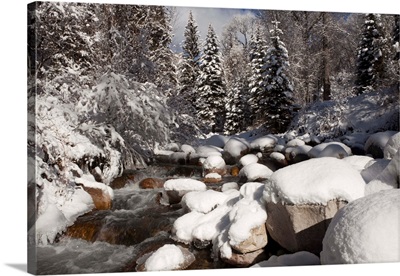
244 260
212 178
257 240
376 143
102 199
254 172
234 149
121 181
151 183
235 171
214 164
300 227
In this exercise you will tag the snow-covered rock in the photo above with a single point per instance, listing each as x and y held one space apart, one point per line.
174 147
214 163
254 172
229 186
389 178
263 143
206 151
234 149
358 162
252 190
279 159
177 188
101 194
212 178
248 159
365 231
334 149
392 146
297 154
247 229
374 168
302 198
187 149
216 140
296 259
315 181
204 201
166 258
376 143
295 143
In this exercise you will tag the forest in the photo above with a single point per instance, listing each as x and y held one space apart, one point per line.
107 93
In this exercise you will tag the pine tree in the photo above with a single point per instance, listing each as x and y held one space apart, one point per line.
256 85
370 60
211 85
278 107
189 69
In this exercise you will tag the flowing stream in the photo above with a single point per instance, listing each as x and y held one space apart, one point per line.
112 240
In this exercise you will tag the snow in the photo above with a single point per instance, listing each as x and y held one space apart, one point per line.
236 146
245 215
252 190
389 178
374 168
187 149
216 140
167 257
214 162
248 159
184 184
277 156
255 171
203 202
358 162
88 181
379 139
295 143
365 231
296 259
335 149
213 176
264 142
206 151
229 186
315 181
392 146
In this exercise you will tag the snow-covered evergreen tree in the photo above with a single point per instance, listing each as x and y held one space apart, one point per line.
256 84
189 69
211 96
278 107
370 59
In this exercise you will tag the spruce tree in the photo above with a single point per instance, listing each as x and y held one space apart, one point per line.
256 83
370 54
278 107
189 69
211 85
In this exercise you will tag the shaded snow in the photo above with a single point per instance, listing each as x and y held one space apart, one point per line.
296 259
335 149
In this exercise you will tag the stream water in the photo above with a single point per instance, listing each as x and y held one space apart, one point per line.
112 240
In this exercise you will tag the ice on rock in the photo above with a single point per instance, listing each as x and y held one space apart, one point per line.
365 231
296 259
315 181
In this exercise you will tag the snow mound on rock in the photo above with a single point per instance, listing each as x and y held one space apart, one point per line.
214 162
365 231
295 259
169 257
255 171
315 181
206 151
358 162
263 143
248 159
236 146
378 140
203 202
392 146
184 184
334 149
